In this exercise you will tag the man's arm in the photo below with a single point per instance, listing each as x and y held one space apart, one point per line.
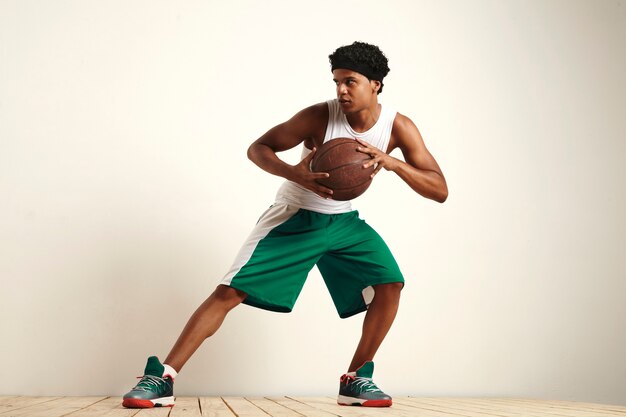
306 124
420 171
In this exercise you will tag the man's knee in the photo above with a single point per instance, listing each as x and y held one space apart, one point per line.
392 289
228 296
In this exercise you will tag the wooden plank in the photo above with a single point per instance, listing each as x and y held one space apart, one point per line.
533 408
330 405
21 402
120 411
537 408
186 407
408 409
110 407
462 406
243 408
55 408
485 405
576 405
322 403
153 412
446 407
272 408
214 407
620 409
302 408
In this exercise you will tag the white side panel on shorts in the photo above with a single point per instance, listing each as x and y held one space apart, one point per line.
368 294
273 217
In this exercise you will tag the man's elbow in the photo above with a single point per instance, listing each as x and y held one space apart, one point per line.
442 195
252 151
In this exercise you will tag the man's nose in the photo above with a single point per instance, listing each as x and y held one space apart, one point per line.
341 89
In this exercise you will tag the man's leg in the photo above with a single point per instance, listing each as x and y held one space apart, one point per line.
203 323
378 319
156 388
356 387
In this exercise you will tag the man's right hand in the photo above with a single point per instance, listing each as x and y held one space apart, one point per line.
302 174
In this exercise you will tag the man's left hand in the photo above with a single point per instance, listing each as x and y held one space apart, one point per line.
379 158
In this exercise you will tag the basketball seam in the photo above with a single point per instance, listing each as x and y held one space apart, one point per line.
345 165
354 186
343 142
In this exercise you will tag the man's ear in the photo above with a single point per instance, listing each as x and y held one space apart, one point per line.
376 85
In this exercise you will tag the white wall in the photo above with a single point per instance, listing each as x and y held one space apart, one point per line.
126 192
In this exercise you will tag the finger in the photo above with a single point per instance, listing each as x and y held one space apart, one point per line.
362 142
320 175
378 168
367 151
371 162
309 157
307 161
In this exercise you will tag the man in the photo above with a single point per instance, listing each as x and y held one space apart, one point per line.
306 227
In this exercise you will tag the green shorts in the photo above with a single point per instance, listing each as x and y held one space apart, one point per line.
288 241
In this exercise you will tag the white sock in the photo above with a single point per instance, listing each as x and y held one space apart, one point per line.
169 371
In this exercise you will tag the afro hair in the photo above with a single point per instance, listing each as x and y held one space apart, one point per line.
362 57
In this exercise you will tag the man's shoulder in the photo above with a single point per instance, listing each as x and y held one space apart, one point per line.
403 125
403 130
315 115
316 110
311 121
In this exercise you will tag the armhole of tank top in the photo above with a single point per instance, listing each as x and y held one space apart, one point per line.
331 120
392 114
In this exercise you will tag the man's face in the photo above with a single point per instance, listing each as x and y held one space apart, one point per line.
354 91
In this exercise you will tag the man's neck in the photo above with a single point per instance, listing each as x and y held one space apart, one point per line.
363 120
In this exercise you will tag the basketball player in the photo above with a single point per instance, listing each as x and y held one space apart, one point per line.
306 227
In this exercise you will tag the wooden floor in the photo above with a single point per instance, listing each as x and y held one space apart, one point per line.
304 406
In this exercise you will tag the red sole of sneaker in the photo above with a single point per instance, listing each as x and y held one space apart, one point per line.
377 403
137 403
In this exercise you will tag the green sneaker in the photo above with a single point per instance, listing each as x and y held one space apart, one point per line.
357 388
154 389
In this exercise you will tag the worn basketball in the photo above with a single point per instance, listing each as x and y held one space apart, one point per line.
340 159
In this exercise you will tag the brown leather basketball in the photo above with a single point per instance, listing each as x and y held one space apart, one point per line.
340 159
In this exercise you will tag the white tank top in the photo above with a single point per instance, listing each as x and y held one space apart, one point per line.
338 127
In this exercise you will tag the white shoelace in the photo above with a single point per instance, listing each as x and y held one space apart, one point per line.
147 381
365 384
